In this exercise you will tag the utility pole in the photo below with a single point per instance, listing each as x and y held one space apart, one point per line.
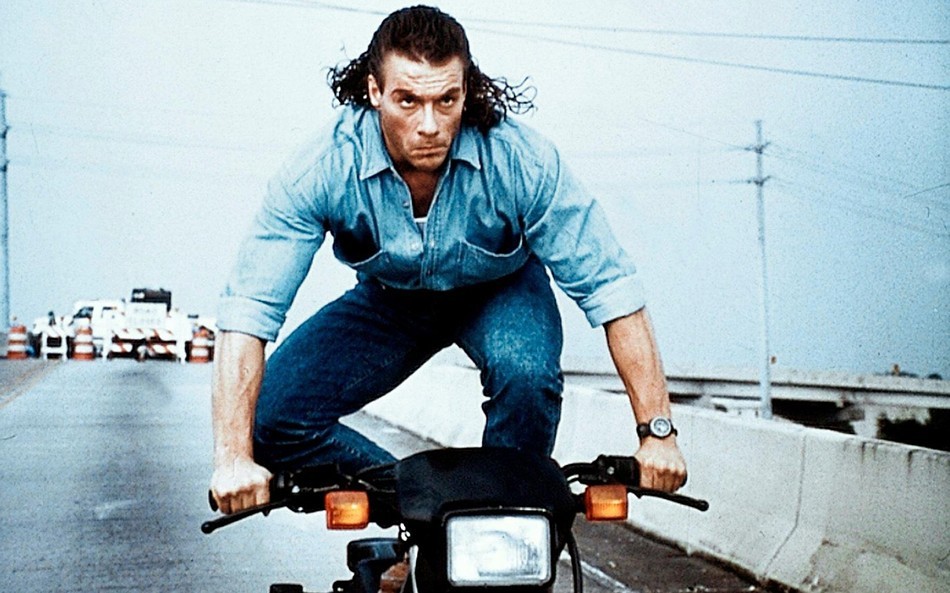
765 371
4 225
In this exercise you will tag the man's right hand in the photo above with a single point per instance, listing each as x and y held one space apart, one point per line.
239 485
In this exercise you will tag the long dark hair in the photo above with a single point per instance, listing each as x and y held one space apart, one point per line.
426 33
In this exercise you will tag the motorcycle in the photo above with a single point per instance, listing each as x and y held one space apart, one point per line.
469 519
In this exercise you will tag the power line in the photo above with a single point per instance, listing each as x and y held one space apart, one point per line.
820 164
313 5
879 210
688 133
719 35
638 152
627 30
128 109
709 62
174 174
146 139
870 180
925 191
855 207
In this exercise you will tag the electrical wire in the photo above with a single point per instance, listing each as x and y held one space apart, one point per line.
925 191
830 166
615 29
717 35
16 97
685 132
313 5
722 63
641 152
658 55
176 174
145 139
839 202
866 179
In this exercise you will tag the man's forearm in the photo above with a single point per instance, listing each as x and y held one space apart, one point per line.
635 354
239 369
633 349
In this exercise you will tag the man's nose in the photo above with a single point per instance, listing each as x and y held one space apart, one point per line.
428 126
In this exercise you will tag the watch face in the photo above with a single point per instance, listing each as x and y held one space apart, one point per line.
661 427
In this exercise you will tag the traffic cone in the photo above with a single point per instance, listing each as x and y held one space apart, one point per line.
16 343
83 348
200 346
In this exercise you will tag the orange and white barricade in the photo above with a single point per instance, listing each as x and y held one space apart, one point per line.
163 343
54 342
83 346
128 343
17 343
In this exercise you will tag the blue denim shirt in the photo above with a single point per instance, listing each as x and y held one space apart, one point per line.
502 197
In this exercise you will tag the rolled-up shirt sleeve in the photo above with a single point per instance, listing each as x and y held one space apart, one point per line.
569 231
274 258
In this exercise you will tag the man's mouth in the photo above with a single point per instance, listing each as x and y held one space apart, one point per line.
430 149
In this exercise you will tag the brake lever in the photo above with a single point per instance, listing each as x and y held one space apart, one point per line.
225 520
688 501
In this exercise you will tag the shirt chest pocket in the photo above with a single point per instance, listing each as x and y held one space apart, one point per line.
393 266
357 245
479 264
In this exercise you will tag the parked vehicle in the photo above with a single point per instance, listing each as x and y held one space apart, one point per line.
145 326
468 519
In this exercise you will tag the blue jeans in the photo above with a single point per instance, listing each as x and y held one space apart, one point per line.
363 345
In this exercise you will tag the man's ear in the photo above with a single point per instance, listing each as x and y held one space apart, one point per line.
373 91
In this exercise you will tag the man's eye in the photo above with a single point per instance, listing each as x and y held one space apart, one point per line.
449 101
407 101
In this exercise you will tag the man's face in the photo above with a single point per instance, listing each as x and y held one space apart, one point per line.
420 109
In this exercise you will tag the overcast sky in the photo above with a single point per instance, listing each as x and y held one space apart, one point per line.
142 134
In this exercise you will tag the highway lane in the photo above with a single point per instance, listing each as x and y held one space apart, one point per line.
103 479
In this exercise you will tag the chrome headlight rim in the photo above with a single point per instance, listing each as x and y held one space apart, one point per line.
546 561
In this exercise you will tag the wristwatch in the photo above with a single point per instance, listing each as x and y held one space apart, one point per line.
659 427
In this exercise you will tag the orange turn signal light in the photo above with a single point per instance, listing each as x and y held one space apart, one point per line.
606 502
347 509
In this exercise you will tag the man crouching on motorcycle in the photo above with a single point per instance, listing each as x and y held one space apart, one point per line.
452 213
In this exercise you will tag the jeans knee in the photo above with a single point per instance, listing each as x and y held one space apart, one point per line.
523 408
526 379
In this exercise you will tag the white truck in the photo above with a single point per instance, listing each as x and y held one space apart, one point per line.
144 327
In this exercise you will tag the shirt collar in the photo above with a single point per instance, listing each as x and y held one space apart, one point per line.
465 147
376 158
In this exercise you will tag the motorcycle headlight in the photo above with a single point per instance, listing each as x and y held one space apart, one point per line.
498 550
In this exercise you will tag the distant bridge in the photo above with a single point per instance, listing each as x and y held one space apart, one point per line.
821 398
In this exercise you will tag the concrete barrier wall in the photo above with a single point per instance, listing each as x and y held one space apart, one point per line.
814 510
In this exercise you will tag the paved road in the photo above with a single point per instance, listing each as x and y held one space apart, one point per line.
103 479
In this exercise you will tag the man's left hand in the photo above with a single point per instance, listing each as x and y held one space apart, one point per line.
662 466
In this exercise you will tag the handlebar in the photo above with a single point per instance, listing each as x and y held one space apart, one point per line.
303 490
300 490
